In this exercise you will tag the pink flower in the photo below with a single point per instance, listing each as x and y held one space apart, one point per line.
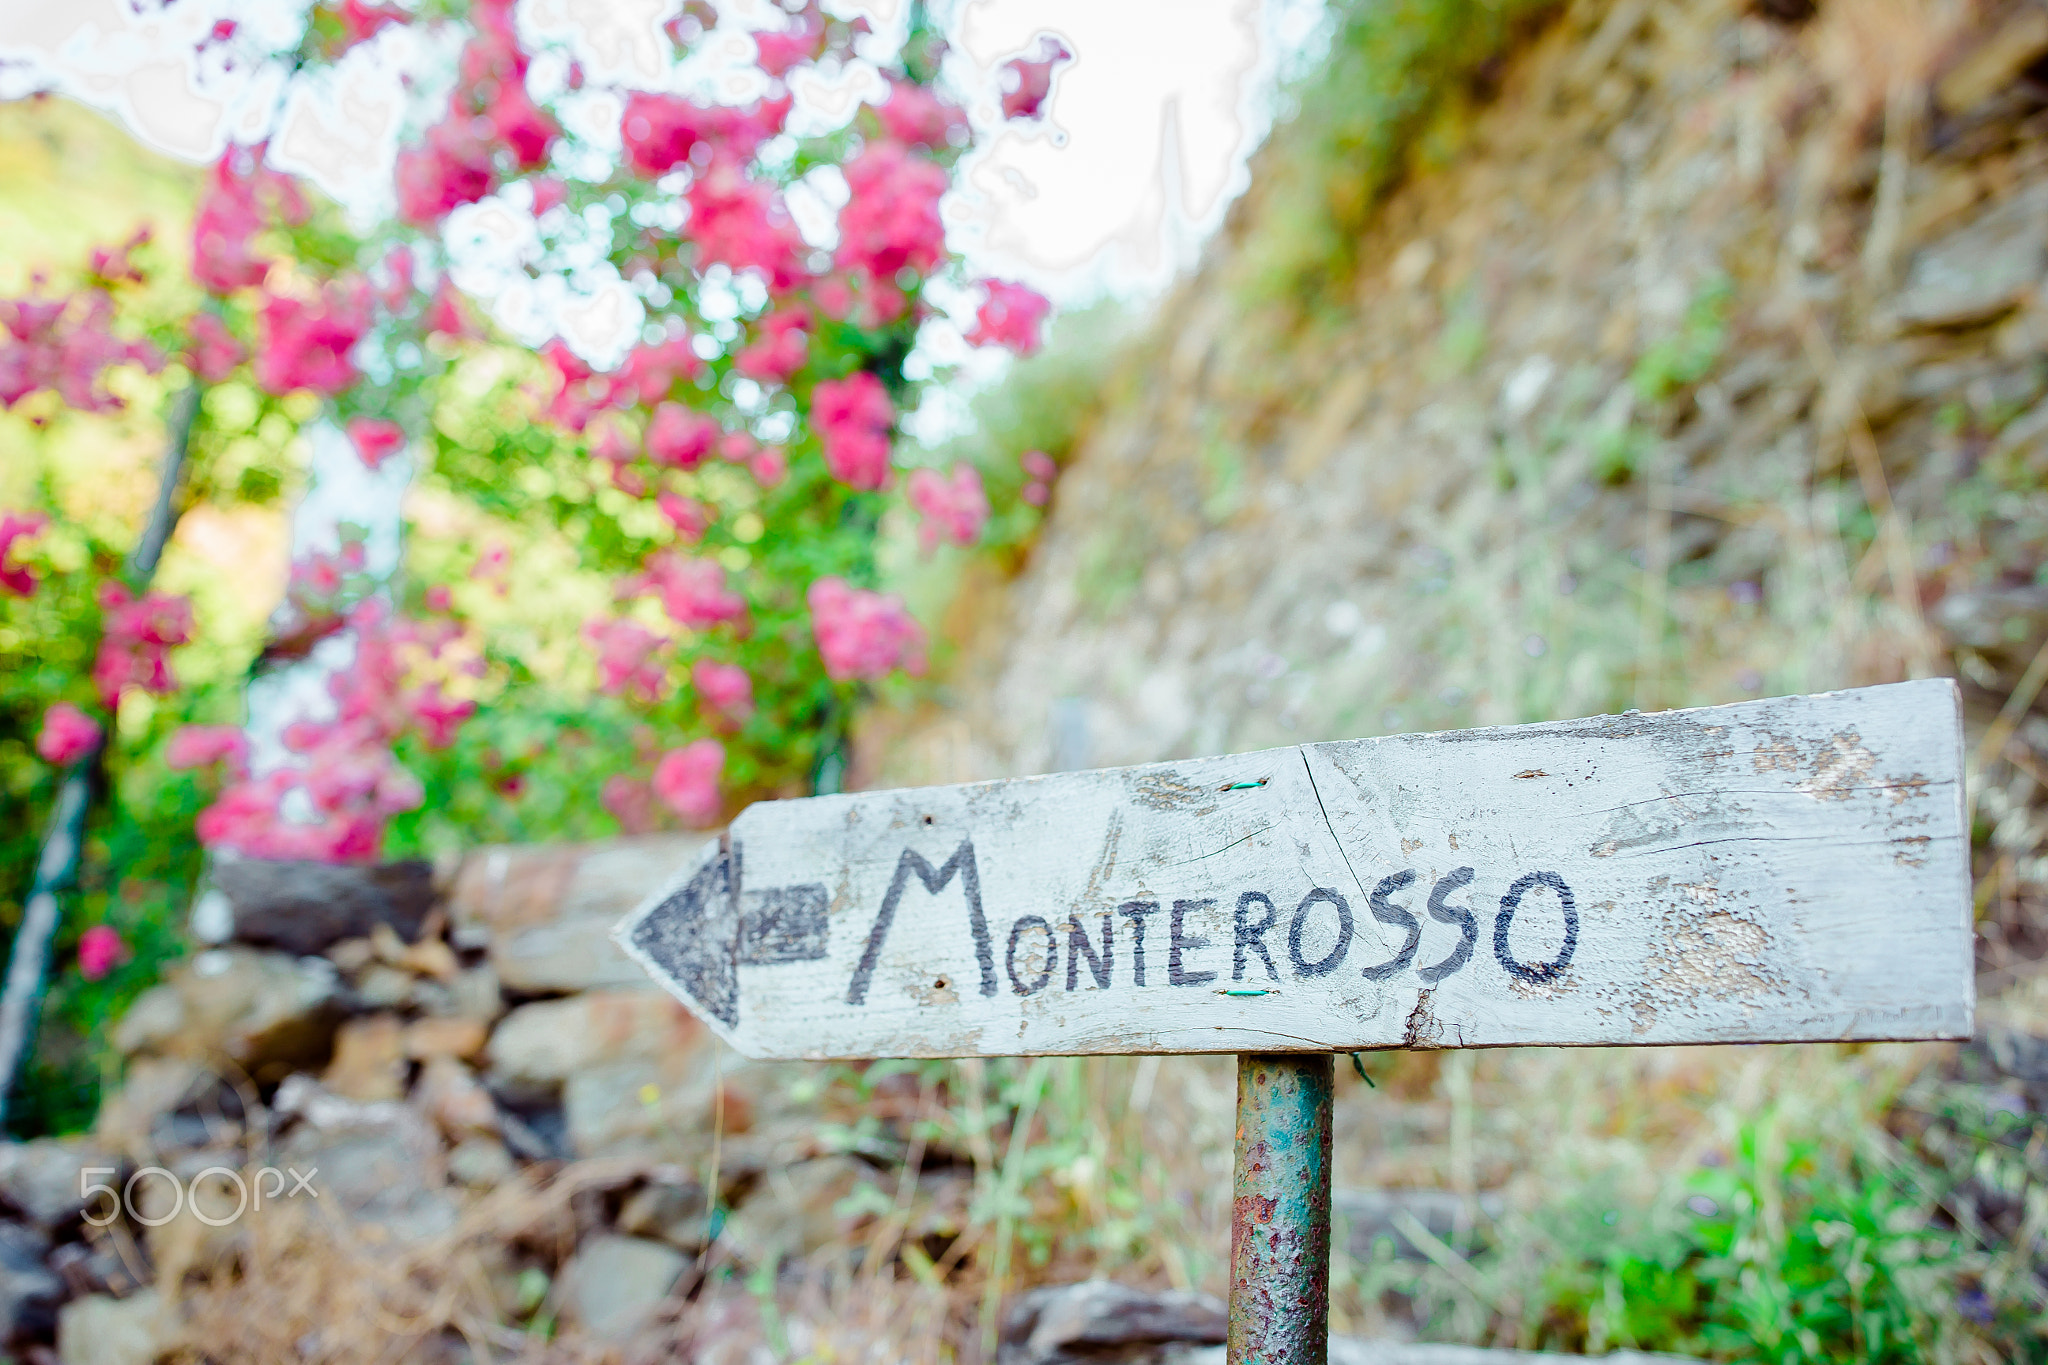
305 344
350 770
631 803
663 131
1027 83
613 444
375 439
782 345
579 393
451 168
629 481
687 780
520 124
692 591
137 635
891 221
915 116
548 192
360 22
202 746
725 688
100 950
436 715
245 818
65 345
351 782
863 634
769 465
744 224
113 266
626 666
249 818
68 734
18 526
1010 317
780 50
222 259
853 416
651 373
396 289
445 316
690 517
680 437
214 352
953 509
1041 470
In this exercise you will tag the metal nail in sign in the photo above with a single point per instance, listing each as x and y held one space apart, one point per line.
1783 870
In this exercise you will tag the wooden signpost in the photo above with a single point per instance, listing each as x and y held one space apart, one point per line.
1774 871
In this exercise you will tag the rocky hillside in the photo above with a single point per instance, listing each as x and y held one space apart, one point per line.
1699 354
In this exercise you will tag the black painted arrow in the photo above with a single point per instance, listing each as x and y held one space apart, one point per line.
710 928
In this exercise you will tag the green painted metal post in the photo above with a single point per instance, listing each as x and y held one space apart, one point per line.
1280 1215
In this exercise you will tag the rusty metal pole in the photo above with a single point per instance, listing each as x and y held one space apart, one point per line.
1280 1217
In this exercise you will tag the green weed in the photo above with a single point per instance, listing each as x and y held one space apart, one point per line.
1392 69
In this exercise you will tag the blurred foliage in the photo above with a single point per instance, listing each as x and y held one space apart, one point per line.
1047 402
1808 1234
1392 70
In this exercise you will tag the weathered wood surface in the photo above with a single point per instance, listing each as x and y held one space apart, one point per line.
1792 869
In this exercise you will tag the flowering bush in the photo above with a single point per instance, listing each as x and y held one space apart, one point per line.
100 950
854 416
863 634
717 485
68 735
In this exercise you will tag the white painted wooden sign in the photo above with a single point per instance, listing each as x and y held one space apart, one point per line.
1794 869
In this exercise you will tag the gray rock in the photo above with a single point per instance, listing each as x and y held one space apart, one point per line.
479 1162
539 1046
1102 1321
93 1269
132 1118
152 1021
546 914
535 1133
1980 270
793 1210
42 1177
302 908
2021 1056
377 1163
30 1291
673 1212
606 1114
613 1284
99 1330
1994 620
1370 1215
269 1013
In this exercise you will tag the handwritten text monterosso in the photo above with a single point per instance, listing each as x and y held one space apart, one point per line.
1266 940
